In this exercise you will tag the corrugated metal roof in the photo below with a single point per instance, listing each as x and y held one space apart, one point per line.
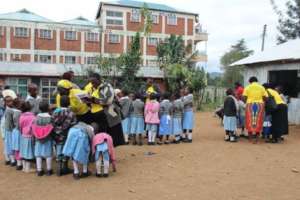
80 21
24 15
283 52
37 69
140 4
56 70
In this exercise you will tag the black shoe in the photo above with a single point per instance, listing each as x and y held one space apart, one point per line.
19 168
76 176
13 164
7 163
126 143
167 142
59 168
99 175
140 143
105 175
189 141
65 169
40 173
84 175
175 142
134 143
49 172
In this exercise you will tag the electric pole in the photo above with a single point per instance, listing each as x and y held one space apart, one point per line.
263 37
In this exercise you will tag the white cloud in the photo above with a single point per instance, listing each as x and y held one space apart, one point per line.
226 20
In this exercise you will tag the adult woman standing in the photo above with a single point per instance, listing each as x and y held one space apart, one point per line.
254 95
104 110
280 124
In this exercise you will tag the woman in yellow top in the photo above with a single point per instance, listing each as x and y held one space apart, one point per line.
76 96
279 122
254 95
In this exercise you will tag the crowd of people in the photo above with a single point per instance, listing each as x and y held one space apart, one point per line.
260 109
85 125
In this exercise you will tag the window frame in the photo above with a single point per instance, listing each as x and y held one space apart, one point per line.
156 15
16 86
65 59
2 28
135 12
70 39
111 41
95 37
40 60
43 36
23 30
169 19
51 88
114 11
88 60
111 20
151 43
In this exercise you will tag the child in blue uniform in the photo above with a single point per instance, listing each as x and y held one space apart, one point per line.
78 148
137 127
177 118
188 115
16 135
165 112
42 129
125 103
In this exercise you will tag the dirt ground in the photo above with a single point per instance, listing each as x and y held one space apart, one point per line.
209 168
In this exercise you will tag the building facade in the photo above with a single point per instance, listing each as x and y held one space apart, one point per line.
36 49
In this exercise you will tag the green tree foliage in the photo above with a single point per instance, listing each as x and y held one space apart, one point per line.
131 63
289 23
236 52
146 14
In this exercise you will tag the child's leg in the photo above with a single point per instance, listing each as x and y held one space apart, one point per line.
24 165
49 163
12 160
140 139
19 160
190 135
126 137
153 136
98 166
75 167
38 164
149 136
106 163
85 169
183 135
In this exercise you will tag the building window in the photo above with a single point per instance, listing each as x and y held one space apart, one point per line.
1 30
21 32
1 57
110 13
16 57
155 18
152 41
114 18
70 35
45 59
135 16
70 59
172 19
19 85
92 37
45 34
114 22
48 86
113 38
91 60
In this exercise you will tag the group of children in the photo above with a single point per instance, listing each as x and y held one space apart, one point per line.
165 119
33 132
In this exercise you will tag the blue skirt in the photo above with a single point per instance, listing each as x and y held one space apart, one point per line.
126 125
8 143
151 127
102 149
27 148
77 146
44 149
230 123
137 125
188 120
16 139
165 126
177 126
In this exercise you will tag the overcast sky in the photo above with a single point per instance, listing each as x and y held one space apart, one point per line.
225 20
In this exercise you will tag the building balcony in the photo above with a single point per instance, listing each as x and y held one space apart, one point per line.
200 36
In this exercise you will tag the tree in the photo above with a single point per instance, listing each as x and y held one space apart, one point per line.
131 63
197 81
289 24
236 52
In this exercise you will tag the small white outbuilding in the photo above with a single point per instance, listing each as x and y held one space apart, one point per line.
279 65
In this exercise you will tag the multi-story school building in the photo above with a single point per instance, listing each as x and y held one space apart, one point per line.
36 49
